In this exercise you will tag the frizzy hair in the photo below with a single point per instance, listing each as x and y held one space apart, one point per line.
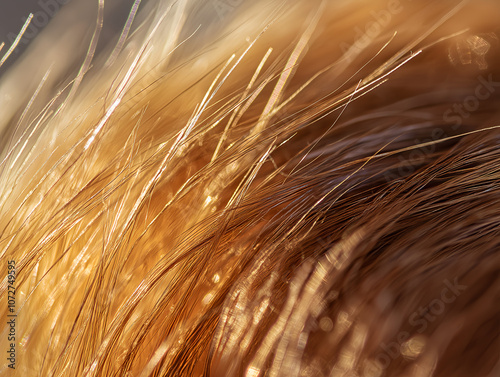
281 188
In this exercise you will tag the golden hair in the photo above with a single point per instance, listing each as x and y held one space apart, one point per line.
240 188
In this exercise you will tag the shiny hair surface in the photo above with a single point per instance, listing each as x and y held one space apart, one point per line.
253 188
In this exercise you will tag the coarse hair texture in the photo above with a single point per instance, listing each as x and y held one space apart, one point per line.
254 188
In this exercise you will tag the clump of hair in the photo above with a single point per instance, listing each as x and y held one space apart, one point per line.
233 188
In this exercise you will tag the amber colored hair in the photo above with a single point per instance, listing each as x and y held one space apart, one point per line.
240 188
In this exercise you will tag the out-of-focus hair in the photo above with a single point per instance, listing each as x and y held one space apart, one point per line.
241 188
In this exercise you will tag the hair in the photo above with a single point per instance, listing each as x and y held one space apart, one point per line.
252 188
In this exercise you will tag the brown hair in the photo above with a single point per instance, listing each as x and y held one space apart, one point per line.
290 189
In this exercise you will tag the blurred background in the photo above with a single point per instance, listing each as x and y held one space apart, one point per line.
13 14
